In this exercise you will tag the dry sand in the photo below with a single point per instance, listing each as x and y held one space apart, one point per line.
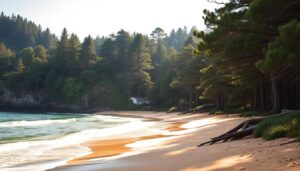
175 148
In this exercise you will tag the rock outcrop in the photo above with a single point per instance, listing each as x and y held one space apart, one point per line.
22 99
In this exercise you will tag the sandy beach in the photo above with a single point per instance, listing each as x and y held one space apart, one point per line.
170 145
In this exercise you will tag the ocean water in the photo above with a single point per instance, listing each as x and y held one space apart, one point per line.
43 141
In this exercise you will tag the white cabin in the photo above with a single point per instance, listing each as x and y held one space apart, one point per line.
139 101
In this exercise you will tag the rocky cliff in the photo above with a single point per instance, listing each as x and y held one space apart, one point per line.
19 99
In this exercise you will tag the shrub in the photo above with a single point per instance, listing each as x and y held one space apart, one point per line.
251 113
282 126
216 112
72 90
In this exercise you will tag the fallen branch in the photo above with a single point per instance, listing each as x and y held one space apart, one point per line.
289 142
231 136
242 130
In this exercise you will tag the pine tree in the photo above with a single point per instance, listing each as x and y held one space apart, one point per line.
139 64
75 48
188 75
158 34
88 55
122 43
62 54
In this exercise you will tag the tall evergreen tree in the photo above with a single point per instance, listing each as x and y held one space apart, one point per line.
158 34
62 53
139 64
122 43
75 48
88 53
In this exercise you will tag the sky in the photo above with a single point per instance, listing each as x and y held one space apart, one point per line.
104 17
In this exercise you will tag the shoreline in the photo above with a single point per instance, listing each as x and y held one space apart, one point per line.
175 148
110 147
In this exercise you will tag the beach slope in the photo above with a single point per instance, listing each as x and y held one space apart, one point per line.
174 148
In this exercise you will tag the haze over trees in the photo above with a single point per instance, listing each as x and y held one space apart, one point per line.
102 72
246 60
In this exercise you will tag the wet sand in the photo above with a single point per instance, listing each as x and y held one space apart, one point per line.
175 149
112 147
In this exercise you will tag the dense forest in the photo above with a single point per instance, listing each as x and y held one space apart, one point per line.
247 59
252 55
101 72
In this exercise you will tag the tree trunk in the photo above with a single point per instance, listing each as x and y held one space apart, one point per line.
262 98
275 95
218 101
255 102
222 102
196 98
190 96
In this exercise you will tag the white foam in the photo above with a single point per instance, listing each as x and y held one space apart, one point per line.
201 122
108 118
37 151
34 123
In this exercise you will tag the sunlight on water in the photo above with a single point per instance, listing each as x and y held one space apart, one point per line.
43 141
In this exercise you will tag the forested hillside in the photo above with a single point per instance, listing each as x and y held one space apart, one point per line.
247 59
17 33
101 72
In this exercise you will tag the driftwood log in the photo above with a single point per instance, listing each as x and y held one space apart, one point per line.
244 129
204 108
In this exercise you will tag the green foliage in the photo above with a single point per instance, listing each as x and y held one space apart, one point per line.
71 90
4 51
13 80
216 112
158 33
88 55
18 33
88 77
177 39
138 64
122 43
27 55
107 94
282 126
41 53
251 113
35 74
162 96
284 50
188 76
230 67
73 61
257 10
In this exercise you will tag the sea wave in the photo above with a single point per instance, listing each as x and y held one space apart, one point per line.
24 123
108 118
44 150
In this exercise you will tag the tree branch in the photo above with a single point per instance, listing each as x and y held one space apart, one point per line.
284 9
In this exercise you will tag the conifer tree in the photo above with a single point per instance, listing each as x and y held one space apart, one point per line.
75 48
88 53
139 64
